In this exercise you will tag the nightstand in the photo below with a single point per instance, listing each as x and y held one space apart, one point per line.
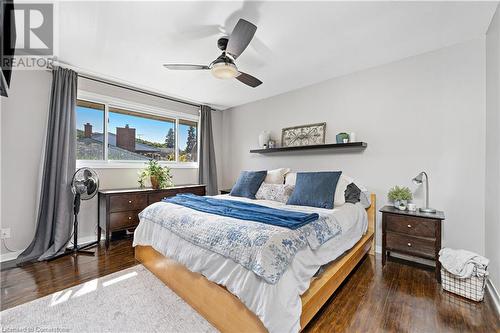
226 191
412 233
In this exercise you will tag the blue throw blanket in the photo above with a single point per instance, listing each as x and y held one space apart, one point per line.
244 211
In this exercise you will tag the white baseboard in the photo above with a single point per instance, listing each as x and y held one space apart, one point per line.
494 295
8 256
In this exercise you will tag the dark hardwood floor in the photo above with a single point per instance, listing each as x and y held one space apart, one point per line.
399 298
29 282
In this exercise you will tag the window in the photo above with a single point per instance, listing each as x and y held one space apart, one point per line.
188 141
89 131
134 134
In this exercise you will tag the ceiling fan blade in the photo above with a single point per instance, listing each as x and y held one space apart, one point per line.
202 31
185 67
240 38
249 80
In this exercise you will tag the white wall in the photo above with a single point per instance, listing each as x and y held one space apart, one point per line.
422 113
23 122
492 193
24 118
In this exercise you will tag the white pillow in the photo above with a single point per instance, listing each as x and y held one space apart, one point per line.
274 192
344 180
276 176
291 178
340 190
339 199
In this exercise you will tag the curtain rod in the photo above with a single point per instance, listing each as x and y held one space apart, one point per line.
92 77
142 91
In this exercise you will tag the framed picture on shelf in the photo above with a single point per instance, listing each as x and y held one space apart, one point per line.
304 135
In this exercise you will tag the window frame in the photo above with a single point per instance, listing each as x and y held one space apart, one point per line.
112 102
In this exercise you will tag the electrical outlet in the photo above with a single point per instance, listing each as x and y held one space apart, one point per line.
5 233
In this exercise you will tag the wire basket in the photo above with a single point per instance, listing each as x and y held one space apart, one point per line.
471 288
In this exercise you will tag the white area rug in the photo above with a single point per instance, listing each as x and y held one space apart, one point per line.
132 300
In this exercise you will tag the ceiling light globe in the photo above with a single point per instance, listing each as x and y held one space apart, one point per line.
224 70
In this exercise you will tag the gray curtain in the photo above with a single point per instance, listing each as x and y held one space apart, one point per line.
208 170
55 211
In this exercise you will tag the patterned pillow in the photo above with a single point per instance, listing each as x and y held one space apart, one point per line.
274 192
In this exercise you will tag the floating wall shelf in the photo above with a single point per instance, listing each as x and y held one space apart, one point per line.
330 146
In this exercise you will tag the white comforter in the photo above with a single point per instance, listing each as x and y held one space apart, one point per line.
277 305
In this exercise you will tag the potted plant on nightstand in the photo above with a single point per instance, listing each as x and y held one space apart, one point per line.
400 197
159 176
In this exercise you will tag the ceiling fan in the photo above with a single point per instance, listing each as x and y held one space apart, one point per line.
224 66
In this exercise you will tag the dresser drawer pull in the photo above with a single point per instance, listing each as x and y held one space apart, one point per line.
409 244
409 225
130 218
130 201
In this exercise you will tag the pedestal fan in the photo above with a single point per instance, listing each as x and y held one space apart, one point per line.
84 186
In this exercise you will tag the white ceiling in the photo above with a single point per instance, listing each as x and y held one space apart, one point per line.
296 44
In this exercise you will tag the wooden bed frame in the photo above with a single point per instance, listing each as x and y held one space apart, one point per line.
225 311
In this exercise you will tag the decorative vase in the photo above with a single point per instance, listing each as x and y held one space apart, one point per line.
264 138
154 182
341 136
401 204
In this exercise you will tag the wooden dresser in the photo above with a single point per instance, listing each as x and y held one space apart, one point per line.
118 209
412 233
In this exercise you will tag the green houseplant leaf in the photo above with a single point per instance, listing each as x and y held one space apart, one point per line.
399 193
158 175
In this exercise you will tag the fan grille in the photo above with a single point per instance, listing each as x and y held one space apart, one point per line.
85 182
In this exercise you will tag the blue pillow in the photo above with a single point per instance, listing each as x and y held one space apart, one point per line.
315 189
248 184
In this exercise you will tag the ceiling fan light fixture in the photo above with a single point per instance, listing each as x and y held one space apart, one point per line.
224 70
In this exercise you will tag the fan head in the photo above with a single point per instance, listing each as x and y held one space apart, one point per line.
85 183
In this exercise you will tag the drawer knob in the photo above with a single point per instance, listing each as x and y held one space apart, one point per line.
409 225
409 244
130 201
130 218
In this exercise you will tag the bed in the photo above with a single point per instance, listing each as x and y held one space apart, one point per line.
233 298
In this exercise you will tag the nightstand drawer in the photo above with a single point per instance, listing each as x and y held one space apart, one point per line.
124 220
125 202
411 245
411 226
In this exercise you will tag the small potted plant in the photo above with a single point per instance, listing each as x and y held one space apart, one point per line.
159 176
400 197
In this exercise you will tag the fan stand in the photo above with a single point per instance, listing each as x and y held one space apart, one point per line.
77 249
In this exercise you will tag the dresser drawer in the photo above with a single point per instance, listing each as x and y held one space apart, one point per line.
125 202
194 190
158 196
155 197
124 220
411 245
411 226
